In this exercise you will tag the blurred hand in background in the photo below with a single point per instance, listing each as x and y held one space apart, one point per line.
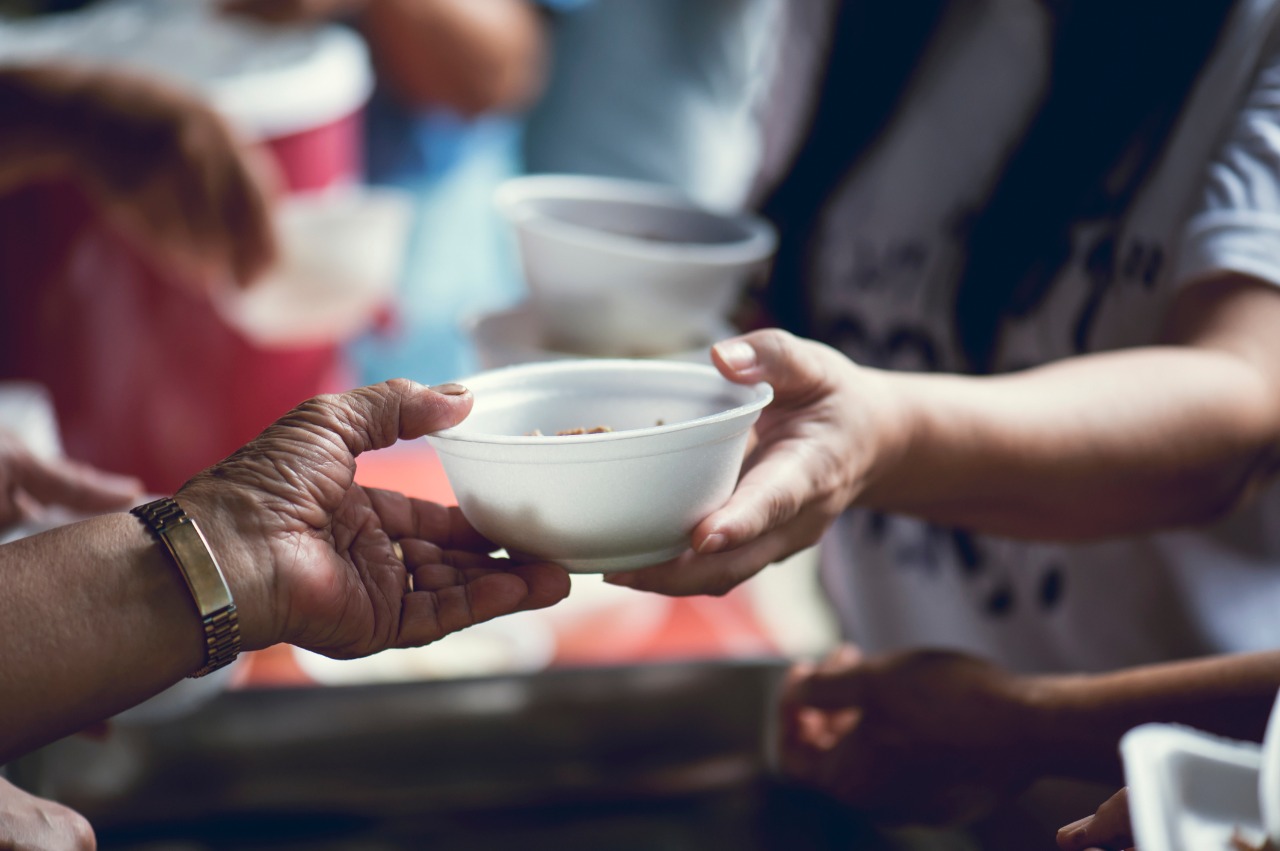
29 484
34 824
470 56
162 164
926 737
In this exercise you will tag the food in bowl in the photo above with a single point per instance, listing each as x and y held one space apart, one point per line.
619 265
603 502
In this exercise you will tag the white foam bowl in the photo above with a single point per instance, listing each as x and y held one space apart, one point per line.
341 256
518 335
598 503
610 263
1190 790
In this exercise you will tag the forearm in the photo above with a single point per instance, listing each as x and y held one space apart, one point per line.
95 618
470 55
1077 721
1098 445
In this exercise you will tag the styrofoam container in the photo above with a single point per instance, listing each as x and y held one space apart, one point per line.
518 335
618 265
597 503
1190 790
341 258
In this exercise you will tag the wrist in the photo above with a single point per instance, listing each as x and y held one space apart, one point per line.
230 529
1069 735
890 429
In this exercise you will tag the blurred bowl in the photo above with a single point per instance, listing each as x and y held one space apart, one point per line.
341 256
610 262
518 335
598 503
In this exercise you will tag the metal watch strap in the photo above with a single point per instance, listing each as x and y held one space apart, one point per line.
187 547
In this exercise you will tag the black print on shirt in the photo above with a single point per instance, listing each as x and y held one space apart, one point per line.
904 346
995 590
1142 263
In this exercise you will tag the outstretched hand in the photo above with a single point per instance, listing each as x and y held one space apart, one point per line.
830 424
926 737
316 560
29 484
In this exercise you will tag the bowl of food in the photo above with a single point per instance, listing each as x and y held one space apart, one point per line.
598 465
518 335
610 263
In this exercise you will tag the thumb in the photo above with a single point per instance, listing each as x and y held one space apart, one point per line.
794 367
375 417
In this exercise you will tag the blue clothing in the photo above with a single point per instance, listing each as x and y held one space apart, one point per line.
460 259
658 90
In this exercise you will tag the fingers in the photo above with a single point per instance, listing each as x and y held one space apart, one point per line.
1108 828
403 517
455 599
247 214
74 485
690 574
770 494
793 367
375 417
716 574
835 687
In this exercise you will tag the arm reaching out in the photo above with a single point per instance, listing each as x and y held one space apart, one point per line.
1107 444
94 617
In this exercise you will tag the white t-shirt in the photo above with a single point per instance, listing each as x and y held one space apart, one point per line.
883 291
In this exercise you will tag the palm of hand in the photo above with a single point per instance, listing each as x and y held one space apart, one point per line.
351 570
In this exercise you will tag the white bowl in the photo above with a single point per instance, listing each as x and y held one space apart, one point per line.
597 503
518 335
342 253
611 263
1190 790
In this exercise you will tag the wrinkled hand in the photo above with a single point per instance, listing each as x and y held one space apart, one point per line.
926 737
310 555
822 435
29 484
1108 828
292 11
34 824
164 166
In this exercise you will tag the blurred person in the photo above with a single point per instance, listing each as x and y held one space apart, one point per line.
444 122
665 91
307 557
945 737
1041 426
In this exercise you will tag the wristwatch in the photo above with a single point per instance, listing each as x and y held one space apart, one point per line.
186 545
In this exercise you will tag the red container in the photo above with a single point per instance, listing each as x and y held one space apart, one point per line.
147 378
